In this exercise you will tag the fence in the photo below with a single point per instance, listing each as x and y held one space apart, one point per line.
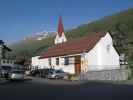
114 74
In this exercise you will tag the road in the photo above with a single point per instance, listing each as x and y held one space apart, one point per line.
38 89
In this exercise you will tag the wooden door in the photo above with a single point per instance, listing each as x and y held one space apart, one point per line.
77 64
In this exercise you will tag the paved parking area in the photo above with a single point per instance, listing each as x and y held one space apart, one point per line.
38 89
56 81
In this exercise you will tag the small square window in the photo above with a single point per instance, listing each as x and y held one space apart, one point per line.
57 61
66 61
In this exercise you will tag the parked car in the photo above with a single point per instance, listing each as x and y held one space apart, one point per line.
35 73
57 74
40 72
17 75
5 71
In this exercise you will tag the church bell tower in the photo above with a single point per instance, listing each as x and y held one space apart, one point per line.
60 36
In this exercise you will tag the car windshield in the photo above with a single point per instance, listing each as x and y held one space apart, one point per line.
59 71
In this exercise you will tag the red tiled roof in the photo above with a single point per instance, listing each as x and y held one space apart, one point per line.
74 46
60 27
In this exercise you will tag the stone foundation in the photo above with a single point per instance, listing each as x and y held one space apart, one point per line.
114 74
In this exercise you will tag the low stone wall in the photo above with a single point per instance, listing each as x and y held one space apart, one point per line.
114 74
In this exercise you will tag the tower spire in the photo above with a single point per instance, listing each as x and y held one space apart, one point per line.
60 27
60 37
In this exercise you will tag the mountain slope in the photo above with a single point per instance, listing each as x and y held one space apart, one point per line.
120 25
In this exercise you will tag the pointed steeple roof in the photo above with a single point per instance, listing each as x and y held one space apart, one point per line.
60 27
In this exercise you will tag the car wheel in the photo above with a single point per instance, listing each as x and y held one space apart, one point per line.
56 77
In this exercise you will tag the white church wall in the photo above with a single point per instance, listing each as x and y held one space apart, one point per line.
102 56
66 68
44 63
70 68
90 60
107 55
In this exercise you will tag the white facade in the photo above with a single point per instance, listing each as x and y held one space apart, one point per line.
101 57
67 68
60 39
39 63
44 63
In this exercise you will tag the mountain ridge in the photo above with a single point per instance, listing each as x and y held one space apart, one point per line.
120 25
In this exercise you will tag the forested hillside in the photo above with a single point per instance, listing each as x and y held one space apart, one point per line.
120 25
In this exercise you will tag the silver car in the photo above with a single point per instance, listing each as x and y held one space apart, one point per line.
57 74
17 75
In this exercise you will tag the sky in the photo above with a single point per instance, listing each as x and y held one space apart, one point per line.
22 18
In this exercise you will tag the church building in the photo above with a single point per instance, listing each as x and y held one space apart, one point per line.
90 53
